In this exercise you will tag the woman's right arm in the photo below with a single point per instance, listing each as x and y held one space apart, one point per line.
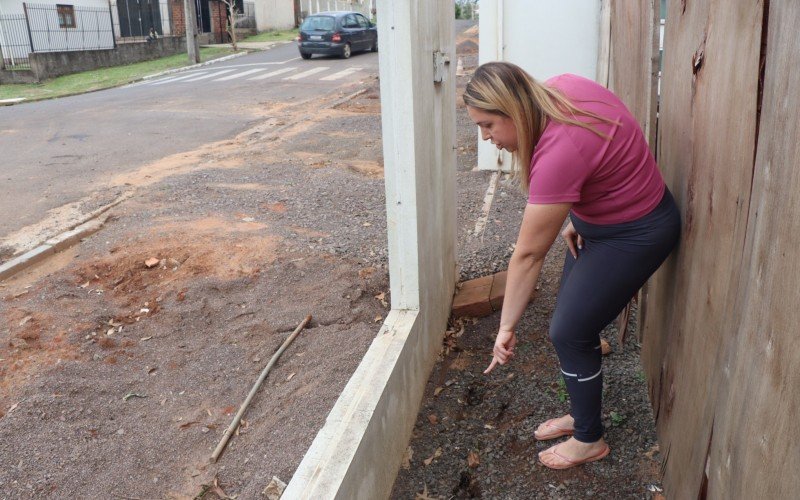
541 224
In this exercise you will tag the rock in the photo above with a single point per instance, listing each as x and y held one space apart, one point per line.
18 343
151 262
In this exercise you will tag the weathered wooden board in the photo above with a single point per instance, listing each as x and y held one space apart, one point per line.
706 151
634 59
755 452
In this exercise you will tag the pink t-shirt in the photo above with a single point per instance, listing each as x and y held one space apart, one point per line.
608 182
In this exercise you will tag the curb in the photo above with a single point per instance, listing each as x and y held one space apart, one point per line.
87 226
49 248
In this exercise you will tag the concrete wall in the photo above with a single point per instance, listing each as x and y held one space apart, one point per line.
274 14
358 452
544 38
51 64
17 76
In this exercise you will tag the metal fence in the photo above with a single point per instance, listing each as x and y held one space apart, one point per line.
58 28
247 17
15 43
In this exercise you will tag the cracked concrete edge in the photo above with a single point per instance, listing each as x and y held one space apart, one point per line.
85 227
49 248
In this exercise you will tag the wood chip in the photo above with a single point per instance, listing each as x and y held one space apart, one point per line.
473 460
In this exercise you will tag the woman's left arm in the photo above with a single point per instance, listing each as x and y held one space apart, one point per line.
540 225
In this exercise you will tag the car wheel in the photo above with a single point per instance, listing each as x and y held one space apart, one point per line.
305 55
375 45
346 51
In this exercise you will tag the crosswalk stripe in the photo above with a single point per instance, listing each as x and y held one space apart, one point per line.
239 75
177 78
341 74
210 75
307 73
272 73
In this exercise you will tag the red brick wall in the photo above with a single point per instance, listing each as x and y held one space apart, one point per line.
178 18
219 21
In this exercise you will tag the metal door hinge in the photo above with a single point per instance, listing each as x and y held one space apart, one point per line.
440 60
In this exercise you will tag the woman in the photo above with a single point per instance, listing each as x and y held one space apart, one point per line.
579 152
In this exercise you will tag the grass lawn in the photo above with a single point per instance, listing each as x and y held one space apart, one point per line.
273 36
103 78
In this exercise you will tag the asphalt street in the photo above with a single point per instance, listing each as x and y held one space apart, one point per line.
58 151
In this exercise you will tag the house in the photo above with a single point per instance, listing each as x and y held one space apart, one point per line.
90 25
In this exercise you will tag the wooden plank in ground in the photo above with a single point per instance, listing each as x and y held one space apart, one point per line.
706 151
755 451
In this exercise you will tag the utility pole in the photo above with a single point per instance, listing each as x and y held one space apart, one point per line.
190 21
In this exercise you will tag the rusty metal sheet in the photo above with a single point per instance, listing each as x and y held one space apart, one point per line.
706 151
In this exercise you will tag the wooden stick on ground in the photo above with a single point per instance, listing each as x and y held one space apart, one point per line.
229 431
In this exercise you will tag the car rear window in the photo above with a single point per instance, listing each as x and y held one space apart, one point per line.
318 23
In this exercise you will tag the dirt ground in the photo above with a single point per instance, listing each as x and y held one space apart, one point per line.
118 380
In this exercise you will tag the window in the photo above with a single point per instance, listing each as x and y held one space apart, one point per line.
362 21
66 16
350 22
318 23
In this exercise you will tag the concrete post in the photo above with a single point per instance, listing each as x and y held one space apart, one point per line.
358 452
190 21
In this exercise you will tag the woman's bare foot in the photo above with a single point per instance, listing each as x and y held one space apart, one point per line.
573 452
555 428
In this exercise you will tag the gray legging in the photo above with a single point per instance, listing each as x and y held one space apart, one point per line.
616 260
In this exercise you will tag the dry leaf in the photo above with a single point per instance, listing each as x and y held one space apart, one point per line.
407 456
437 391
652 451
605 348
473 460
274 489
290 376
25 320
378 319
436 454
433 419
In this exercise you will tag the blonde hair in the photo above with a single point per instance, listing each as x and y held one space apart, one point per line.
506 89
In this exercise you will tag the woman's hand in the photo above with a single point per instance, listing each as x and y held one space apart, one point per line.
503 349
573 239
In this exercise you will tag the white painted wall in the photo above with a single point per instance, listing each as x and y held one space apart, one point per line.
93 28
545 38
274 14
315 6
15 6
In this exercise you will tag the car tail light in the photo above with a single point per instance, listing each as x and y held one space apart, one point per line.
336 37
